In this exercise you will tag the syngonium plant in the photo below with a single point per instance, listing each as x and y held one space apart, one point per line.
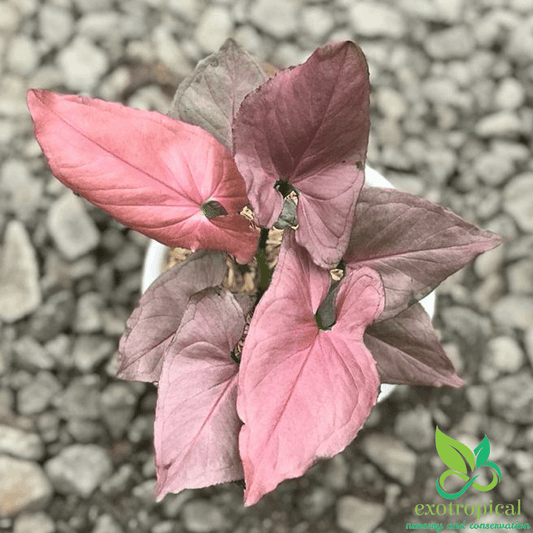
292 147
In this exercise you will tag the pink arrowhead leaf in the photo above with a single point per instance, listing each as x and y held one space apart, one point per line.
211 96
150 172
158 314
407 350
304 393
308 126
196 426
413 244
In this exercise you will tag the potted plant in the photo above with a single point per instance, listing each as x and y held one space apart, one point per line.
257 381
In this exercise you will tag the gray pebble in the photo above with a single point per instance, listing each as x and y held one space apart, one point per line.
503 355
453 43
514 311
376 19
23 192
518 201
200 516
89 317
81 399
501 124
53 317
20 293
107 524
512 398
79 469
274 17
22 55
359 516
415 428
36 396
118 403
72 229
31 355
520 276
392 456
214 27
82 64
20 444
89 351
55 24
494 169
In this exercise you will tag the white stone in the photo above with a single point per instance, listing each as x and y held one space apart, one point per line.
82 64
24 487
169 52
520 276
359 516
375 19
34 523
442 91
510 94
214 27
514 311
317 21
250 40
449 11
501 124
288 54
71 228
188 10
391 103
20 444
55 24
113 86
200 516
494 169
504 354
520 43
22 55
20 293
150 98
46 76
79 469
489 262
94 5
99 25
10 18
453 43
518 201
275 17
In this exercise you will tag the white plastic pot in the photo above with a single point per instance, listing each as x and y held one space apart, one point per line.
156 255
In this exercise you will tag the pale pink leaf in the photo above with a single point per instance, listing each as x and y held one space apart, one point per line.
308 126
304 393
196 426
413 244
406 350
150 172
211 96
155 320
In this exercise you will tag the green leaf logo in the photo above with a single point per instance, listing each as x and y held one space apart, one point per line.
482 451
454 454
462 462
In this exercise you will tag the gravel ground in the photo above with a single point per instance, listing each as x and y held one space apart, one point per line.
452 121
